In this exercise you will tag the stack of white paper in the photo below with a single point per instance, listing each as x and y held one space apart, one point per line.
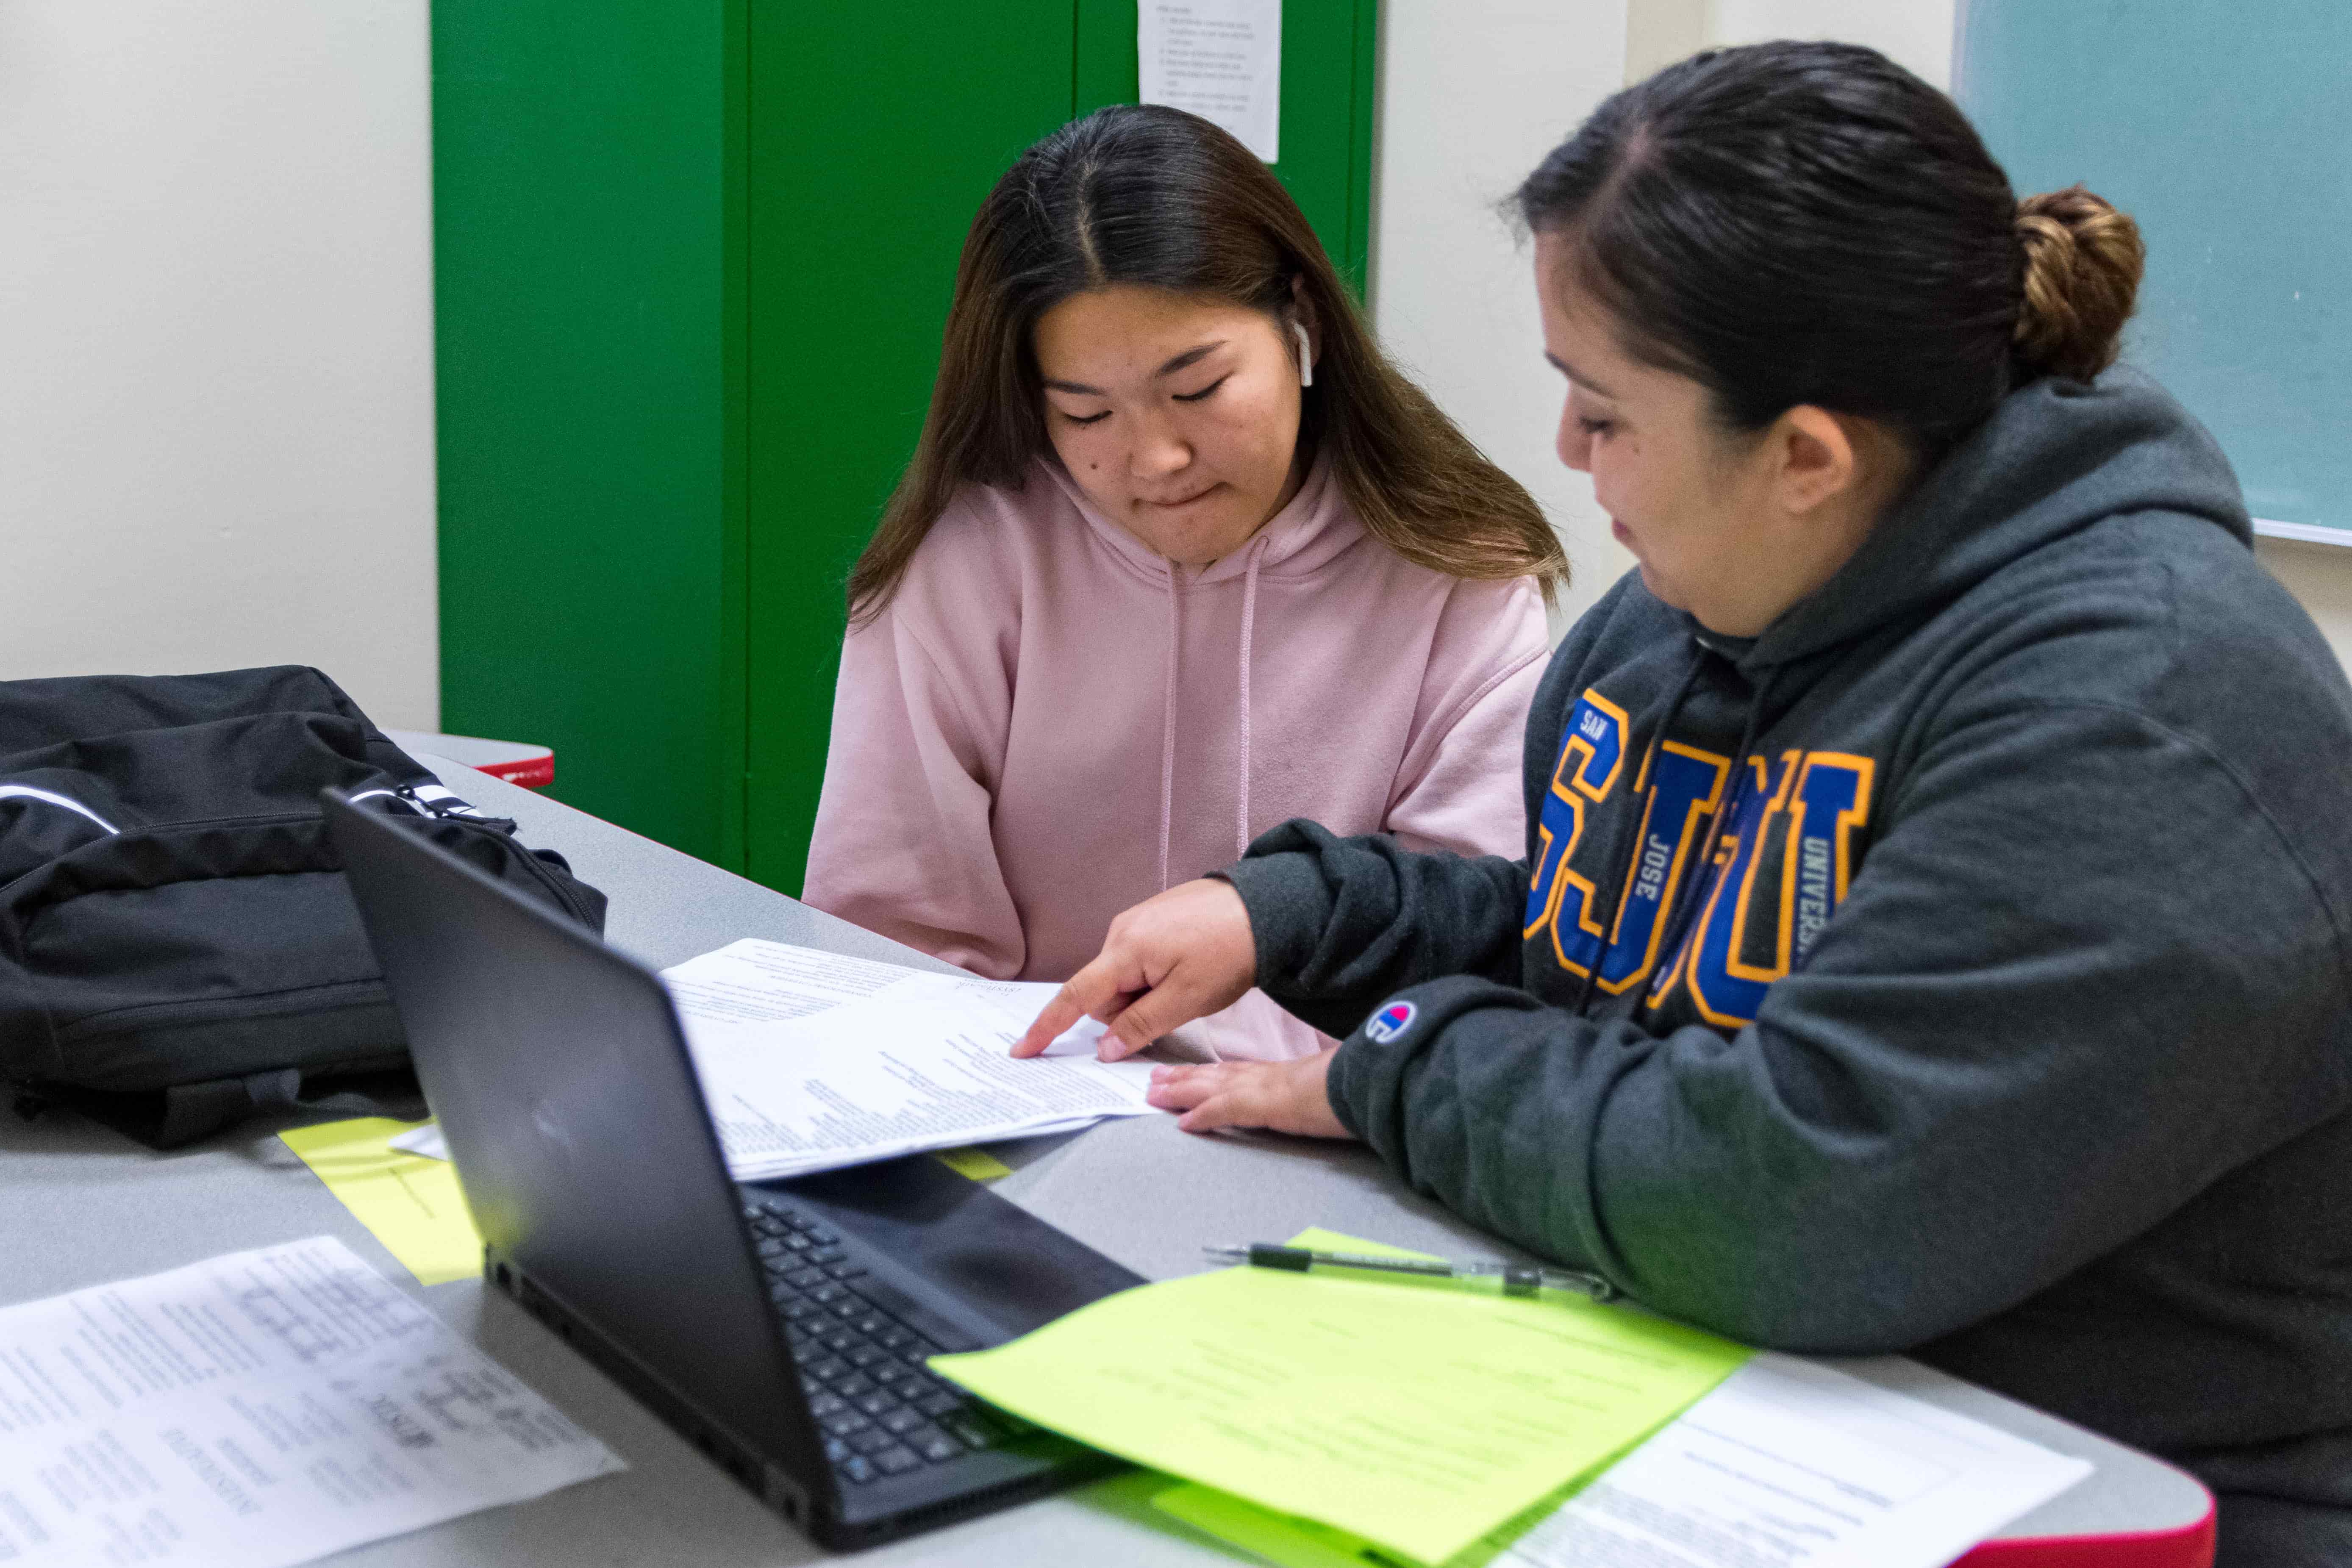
811 1061
256 1410
1789 1463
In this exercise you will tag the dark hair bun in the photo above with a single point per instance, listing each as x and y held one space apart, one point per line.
2082 265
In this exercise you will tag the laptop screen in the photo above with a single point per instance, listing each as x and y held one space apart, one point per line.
561 1081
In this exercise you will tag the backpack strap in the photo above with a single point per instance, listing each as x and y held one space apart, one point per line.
170 1118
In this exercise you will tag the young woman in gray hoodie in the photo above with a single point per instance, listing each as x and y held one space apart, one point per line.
1934 929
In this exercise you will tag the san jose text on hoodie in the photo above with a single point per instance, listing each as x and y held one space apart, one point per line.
1050 723
1963 966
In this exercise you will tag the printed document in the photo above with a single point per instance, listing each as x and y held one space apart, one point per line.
755 982
1221 60
812 1061
1793 1464
255 1411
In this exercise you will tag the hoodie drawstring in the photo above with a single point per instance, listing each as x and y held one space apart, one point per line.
1621 854
1249 627
1687 893
1700 884
1168 718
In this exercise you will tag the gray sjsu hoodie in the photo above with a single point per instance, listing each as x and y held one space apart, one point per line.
1978 971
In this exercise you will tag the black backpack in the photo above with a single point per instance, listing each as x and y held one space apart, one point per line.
178 947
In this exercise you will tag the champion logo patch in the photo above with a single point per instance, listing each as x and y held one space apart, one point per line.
1390 1022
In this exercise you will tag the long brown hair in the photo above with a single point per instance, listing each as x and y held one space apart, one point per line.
1157 197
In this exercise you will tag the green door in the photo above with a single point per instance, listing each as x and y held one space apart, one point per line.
864 176
581 177
691 262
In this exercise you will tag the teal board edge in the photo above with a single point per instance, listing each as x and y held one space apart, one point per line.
2223 128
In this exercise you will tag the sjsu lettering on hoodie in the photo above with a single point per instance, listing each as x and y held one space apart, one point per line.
1780 868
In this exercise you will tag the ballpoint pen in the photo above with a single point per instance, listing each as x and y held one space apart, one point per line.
1517 1278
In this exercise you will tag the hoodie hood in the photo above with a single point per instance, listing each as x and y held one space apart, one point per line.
2055 457
1314 529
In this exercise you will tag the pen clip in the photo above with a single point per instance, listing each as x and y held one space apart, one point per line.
1264 1255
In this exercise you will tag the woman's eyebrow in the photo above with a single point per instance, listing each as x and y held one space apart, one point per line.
1568 371
1190 356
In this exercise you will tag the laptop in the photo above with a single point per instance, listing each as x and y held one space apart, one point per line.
780 1327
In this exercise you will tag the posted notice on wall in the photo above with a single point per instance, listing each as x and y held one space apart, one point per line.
1221 60
255 1411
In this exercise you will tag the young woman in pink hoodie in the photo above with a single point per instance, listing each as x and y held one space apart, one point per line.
1180 556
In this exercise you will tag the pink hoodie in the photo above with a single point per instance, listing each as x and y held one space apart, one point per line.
1050 723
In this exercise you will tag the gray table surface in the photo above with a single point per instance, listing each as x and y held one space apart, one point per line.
80 1205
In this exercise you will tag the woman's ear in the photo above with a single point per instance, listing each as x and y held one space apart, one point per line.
1302 315
1815 459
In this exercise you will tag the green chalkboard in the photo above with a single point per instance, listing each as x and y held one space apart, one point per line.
2225 129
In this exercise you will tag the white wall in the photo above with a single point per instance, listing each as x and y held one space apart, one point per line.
2320 575
1916 32
215 303
1474 93
216 308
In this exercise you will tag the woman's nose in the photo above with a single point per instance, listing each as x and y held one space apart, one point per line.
1159 452
1575 448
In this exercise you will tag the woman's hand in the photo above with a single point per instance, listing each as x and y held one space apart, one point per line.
1284 1097
1170 960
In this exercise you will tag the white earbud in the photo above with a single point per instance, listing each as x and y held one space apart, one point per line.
1306 355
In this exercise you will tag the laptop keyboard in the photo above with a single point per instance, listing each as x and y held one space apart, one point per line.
881 1413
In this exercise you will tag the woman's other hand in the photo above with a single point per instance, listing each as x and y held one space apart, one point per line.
1283 1096
1181 955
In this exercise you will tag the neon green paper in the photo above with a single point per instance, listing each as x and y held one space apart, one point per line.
1291 1542
1285 1539
974 1164
412 1204
1279 1538
1420 1418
